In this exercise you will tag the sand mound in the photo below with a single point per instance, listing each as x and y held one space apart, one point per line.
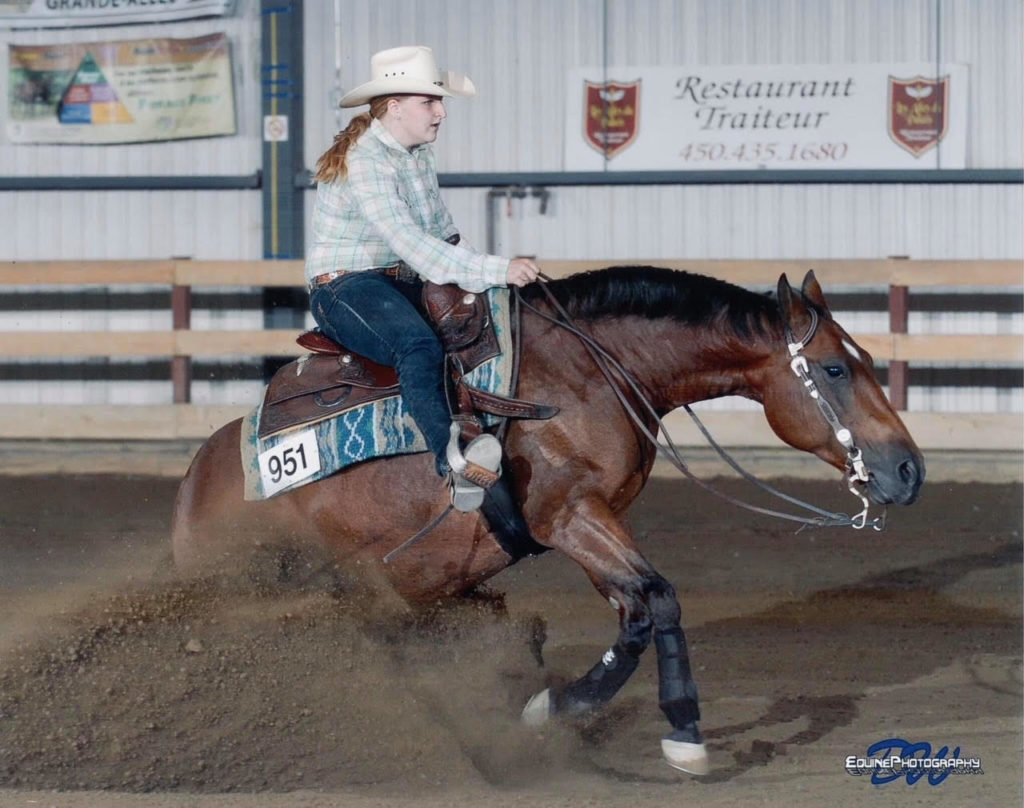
202 687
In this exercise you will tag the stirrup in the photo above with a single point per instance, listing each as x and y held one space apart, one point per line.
474 470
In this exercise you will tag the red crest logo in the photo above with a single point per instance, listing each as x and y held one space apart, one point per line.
917 112
611 114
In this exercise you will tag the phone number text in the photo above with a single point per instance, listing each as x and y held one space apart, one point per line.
764 152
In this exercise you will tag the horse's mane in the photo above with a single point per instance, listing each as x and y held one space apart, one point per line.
657 292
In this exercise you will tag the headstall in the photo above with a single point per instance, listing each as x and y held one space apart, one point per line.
856 470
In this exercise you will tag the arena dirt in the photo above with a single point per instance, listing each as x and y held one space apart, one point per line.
122 685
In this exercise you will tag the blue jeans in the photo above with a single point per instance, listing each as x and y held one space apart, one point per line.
378 317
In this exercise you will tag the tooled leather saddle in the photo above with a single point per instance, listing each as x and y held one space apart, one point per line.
332 379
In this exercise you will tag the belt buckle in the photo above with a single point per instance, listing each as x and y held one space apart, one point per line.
326 278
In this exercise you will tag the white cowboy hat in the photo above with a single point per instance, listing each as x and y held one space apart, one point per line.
407 70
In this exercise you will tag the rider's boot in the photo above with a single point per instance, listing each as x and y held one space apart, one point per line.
474 469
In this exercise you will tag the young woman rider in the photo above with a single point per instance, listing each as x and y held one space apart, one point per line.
380 228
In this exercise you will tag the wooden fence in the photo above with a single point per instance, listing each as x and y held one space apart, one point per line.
183 419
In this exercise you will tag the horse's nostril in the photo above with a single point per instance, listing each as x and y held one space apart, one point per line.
908 471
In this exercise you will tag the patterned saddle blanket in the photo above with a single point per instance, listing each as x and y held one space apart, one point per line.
342 428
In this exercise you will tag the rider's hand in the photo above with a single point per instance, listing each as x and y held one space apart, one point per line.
522 271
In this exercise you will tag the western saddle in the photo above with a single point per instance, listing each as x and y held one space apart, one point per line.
332 379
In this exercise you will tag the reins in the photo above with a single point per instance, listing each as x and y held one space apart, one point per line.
610 366
607 363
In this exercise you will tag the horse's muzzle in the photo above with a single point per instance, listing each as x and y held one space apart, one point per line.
896 479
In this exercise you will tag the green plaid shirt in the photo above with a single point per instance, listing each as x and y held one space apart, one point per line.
389 209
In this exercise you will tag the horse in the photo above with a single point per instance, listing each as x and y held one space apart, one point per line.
683 338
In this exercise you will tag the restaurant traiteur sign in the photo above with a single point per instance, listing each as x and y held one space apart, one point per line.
883 116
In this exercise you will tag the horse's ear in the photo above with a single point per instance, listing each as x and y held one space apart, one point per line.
812 290
793 307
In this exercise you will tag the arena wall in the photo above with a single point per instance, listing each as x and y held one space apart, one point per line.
518 54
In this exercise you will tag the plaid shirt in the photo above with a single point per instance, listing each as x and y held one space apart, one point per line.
388 209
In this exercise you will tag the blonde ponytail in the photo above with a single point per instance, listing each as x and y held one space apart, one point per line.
332 163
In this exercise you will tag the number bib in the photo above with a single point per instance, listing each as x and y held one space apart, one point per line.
293 459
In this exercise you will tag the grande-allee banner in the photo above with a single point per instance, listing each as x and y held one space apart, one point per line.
121 92
863 116
71 13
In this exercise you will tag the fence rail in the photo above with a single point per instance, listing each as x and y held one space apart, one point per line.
182 343
830 271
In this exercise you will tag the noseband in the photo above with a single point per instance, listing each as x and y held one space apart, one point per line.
856 470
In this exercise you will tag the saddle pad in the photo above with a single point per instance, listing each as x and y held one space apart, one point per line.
288 460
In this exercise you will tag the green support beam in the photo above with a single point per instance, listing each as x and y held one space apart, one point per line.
281 87
282 106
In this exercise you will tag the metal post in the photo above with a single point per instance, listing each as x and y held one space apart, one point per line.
282 103
284 170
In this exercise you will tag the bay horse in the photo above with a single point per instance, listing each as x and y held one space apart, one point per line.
683 338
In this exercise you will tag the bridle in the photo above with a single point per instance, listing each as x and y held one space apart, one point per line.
856 470
611 368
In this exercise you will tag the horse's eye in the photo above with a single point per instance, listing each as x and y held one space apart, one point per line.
835 371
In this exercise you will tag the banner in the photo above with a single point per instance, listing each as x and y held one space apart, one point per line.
72 13
121 92
863 116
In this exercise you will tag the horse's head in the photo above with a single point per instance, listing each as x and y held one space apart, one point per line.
824 384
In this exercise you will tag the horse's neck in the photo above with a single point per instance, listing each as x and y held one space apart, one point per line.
679 364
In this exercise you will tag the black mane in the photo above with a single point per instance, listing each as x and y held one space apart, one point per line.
657 292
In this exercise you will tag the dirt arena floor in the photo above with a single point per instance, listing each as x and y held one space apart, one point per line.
123 686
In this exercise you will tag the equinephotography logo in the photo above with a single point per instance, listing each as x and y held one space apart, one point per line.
894 758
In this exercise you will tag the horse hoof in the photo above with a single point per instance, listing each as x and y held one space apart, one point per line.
538 709
688 757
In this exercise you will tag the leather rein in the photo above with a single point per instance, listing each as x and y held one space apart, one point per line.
617 377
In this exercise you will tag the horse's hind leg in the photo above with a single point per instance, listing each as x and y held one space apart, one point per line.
597 687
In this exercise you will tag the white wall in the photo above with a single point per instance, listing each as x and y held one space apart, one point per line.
517 52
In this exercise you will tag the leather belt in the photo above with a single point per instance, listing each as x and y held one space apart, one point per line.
400 272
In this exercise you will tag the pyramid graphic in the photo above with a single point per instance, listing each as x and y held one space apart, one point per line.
90 99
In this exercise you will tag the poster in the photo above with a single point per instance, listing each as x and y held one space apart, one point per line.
120 92
71 13
818 117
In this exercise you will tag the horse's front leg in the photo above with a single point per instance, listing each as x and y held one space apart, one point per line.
683 748
647 605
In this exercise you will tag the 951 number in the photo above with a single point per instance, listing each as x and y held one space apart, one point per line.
294 459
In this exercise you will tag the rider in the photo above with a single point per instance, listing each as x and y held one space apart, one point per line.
380 228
